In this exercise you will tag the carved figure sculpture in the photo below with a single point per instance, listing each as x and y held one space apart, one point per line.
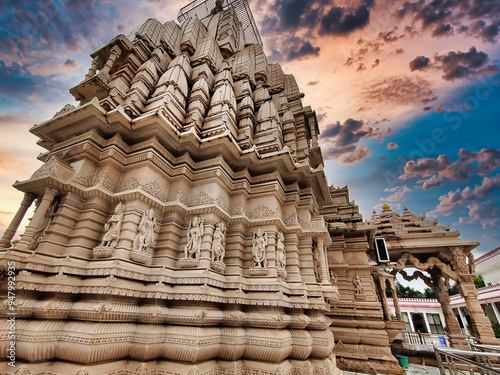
146 232
113 227
194 236
44 225
472 264
459 257
219 243
358 284
333 278
316 261
259 244
280 251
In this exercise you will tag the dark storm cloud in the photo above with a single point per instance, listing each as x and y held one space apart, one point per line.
442 29
478 18
303 50
480 29
419 63
457 65
294 48
323 17
339 21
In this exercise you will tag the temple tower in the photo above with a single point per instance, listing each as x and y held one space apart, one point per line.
178 226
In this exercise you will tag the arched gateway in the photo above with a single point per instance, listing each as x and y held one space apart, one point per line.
184 224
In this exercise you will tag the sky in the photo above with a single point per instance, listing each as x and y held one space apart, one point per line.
407 93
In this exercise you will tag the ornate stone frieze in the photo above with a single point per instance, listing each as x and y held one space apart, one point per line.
263 212
177 195
50 167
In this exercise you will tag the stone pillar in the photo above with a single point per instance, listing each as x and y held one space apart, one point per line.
395 300
115 52
383 297
455 336
481 324
322 262
206 242
14 224
37 218
93 67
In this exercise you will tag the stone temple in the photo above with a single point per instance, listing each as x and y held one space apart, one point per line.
184 223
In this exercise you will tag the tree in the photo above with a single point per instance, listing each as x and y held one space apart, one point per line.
479 282
429 293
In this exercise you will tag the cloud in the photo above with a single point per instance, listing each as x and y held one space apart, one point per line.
312 83
487 213
457 65
477 18
397 90
358 154
457 199
431 182
399 194
442 29
303 50
419 63
339 21
482 163
340 141
392 145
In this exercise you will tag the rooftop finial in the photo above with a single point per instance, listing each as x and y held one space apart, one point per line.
386 207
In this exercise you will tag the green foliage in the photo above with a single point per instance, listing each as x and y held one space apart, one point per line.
429 293
479 282
453 290
496 329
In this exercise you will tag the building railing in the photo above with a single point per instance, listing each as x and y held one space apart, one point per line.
415 338
463 361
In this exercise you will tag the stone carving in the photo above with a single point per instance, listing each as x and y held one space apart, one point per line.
263 212
281 255
259 245
154 188
66 109
193 246
239 209
105 181
177 195
358 285
23 370
472 264
460 260
292 219
316 262
112 235
201 199
219 247
86 180
144 237
44 225
333 278
50 167
83 371
131 183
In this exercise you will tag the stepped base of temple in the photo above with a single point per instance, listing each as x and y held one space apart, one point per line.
289 367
